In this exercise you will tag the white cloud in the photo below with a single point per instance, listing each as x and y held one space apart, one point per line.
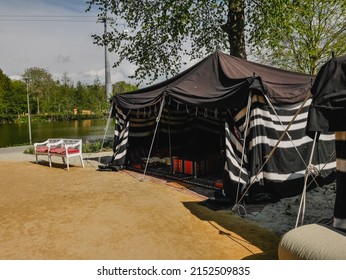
63 59
34 34
56 35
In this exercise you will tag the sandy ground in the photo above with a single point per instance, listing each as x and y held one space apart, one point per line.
52 213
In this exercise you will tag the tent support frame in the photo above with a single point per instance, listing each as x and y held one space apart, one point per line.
158 118
106 129
247 122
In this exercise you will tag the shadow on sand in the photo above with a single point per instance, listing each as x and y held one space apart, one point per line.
227 222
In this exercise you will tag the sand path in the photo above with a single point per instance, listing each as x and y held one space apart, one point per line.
52 213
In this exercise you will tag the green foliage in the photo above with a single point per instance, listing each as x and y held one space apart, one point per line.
40 84
52 100
292 34
95 147
29 151
5 85
160 33
122 87
298 35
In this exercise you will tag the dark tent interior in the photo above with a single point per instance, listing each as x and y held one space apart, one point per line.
188 143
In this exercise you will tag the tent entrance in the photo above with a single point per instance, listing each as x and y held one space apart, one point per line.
188 145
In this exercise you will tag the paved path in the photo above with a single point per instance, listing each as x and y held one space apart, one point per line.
17 154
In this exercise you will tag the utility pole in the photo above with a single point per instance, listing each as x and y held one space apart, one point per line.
29 118
108 83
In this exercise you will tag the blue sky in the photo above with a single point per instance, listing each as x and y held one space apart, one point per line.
54 35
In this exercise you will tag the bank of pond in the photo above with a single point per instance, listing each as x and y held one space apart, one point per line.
90 130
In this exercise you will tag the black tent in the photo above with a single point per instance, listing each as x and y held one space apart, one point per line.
227 114
327 114
329 98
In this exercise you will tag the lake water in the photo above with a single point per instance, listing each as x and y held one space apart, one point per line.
88 130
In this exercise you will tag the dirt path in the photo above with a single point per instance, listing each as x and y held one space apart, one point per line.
52 213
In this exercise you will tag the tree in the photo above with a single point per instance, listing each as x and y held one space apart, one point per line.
122 86
5 86
40 83
163 32
298 34
17 102
12 97
292 34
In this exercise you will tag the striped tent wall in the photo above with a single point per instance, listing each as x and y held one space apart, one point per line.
284 172
185 129
121 137
236 164
340 206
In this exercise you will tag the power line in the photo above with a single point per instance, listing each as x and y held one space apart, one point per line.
46 18
39 20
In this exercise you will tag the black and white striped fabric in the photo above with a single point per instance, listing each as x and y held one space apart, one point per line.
284 172
121 137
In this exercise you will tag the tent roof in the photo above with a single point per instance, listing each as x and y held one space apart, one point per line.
222 81
329 88
328 105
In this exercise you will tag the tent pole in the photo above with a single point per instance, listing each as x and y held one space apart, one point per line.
169 139
106 128
247 122
152 141
221 130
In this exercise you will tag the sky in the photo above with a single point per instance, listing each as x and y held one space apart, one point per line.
54 35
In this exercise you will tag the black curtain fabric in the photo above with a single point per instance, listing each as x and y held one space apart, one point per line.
340 205
327 111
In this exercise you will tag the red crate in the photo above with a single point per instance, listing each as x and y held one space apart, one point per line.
178 165
188 167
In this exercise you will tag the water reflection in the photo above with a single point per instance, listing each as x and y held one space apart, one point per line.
88 130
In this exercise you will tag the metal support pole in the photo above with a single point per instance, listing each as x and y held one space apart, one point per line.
108 82
158 118
29 118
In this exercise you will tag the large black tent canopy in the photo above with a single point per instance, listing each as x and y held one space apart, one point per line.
221 81
253 115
